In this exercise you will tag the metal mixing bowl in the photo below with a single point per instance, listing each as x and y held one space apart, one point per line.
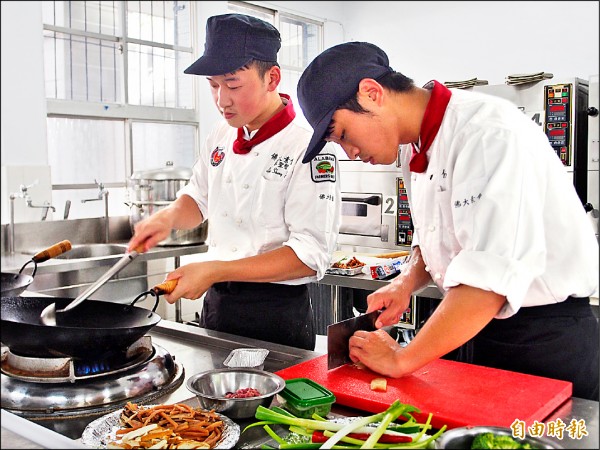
211 387
463 438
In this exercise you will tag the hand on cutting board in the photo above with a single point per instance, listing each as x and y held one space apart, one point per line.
378 351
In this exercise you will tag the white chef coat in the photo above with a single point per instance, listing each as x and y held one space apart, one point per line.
259 201
496 209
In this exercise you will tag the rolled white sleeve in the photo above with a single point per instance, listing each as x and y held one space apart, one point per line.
312 214
483 270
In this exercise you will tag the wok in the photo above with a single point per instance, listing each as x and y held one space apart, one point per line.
93 329
15 283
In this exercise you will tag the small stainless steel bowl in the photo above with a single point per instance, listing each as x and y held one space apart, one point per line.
463 438
211 387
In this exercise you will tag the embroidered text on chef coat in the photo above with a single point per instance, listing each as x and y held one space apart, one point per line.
279 167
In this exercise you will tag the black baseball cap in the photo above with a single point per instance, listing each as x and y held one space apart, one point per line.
332 79
232 41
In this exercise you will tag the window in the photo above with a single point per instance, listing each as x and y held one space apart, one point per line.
118 100
301 42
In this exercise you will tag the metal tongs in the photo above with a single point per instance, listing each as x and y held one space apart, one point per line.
48 315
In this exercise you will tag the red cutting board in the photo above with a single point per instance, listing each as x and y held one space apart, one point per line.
457 394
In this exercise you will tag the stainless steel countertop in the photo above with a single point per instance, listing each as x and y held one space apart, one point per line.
198 349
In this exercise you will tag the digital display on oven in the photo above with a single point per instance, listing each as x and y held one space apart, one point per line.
557 99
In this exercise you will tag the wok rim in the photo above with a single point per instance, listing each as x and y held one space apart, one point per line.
151 318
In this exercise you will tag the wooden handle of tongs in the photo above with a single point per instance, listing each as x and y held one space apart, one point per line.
166 287
51 252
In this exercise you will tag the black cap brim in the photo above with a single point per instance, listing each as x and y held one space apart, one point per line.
317 142
212 66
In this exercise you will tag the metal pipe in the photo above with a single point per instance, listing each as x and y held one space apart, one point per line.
11 235
103 194
106 221
178 315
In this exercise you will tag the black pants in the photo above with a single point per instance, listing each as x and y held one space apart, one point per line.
557 341
271 312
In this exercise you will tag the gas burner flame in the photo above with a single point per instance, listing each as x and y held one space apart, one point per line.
92 368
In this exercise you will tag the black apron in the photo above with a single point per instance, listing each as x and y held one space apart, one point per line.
557 341
271 312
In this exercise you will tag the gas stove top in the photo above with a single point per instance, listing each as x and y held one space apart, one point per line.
68 389
68 399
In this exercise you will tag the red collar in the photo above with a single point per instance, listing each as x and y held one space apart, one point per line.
432 120
271 127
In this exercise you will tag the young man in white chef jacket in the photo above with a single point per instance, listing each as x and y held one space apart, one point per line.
498 225
273 221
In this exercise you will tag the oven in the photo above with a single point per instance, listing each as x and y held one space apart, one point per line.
562 108
375 213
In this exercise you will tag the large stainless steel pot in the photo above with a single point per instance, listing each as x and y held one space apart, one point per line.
150 191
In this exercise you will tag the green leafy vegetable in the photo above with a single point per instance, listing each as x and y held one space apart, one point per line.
496 441
377 431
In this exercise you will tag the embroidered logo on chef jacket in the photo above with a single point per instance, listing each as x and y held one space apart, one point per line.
279 167
217 156
322 168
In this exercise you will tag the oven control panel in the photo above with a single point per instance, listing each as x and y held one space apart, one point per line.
558 101
404 225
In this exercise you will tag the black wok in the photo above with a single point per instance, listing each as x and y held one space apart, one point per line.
14 283
91 330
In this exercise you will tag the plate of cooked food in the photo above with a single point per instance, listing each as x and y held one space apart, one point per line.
348 265
161 426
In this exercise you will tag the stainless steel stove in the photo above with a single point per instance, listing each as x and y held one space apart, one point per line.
66 393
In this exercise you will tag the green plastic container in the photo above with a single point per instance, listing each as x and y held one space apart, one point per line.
303 397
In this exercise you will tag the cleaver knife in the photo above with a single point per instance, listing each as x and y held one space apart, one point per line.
338 335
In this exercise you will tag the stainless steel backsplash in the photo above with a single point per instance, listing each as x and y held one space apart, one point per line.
39 235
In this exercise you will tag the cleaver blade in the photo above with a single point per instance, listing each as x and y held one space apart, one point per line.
338 335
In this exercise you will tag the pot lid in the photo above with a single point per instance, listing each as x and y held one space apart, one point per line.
169 172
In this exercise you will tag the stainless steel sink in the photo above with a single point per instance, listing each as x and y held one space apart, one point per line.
89 262
80 251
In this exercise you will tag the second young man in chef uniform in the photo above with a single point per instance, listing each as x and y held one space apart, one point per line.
498 225
273 221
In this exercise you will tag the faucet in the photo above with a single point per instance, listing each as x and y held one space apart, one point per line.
102 194
25 195
46 207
